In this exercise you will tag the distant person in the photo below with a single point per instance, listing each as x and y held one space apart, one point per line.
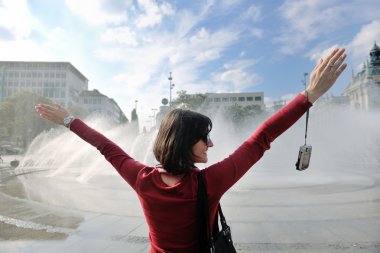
168 192
1 159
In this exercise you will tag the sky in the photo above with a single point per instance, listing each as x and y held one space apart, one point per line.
127 48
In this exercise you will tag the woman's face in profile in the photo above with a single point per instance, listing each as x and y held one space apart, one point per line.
200 149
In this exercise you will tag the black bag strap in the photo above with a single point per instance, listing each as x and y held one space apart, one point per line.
203 213
203 217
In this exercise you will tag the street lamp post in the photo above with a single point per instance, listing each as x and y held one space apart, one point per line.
304 79
154 117
171 86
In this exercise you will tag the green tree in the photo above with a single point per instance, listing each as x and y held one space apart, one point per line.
187 101
135 121
241 115
19 121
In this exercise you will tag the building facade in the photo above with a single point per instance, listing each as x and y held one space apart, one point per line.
364 89
59 81
95 102
241 99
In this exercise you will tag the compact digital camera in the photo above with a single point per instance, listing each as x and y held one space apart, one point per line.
303 157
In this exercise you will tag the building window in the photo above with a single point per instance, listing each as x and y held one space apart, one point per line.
233 99
249 98
225 99
241 98
257 98
216 99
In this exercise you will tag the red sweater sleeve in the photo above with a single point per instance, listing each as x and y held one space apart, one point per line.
125 165
222 175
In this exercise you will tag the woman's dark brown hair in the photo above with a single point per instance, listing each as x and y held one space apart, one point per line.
179 131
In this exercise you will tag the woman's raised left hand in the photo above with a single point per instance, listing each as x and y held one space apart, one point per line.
54 113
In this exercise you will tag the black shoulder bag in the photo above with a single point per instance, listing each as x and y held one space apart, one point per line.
222 242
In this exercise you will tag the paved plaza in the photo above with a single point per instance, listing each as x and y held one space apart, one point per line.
336 211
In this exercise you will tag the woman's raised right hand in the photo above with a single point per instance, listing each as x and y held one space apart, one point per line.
325 73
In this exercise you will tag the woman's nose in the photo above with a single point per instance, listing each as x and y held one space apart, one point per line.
210 143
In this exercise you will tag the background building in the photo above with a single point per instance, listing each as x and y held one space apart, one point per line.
95 102
241 99
59 81
364 89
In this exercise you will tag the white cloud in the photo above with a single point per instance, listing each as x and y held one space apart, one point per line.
20 50
143 62
363 42
318 53
256 32
308 20
305 21
153 13
208 55
227 4
253 13
122 35
236 77
357 49
16 19
95 11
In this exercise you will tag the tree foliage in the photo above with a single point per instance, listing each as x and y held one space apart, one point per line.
20 123
242 114
187 101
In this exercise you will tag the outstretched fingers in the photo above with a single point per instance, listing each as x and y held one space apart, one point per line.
335 61
339 71
327 62
318 66
326 73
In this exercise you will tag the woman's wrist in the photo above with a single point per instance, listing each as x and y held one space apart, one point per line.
67 121
311 96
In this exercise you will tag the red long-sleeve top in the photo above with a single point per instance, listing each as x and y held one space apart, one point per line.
171 211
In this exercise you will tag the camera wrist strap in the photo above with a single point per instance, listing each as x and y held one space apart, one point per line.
307 117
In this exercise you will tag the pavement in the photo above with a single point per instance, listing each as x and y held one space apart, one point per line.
319 211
